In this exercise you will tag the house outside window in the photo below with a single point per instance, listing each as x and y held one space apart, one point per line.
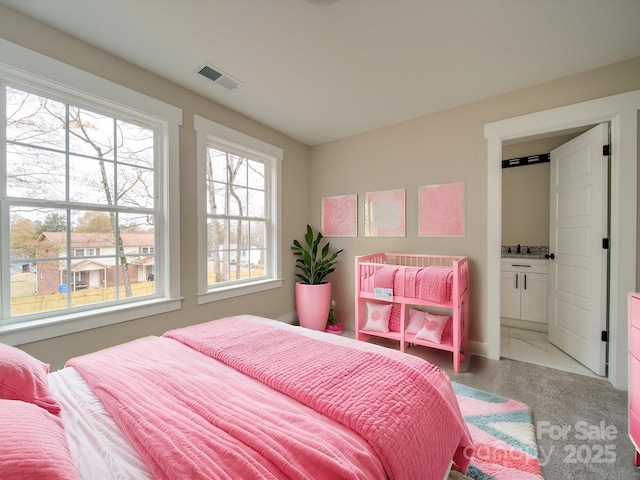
86 192
81 252
239 203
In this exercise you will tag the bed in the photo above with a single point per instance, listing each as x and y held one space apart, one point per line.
238 398
414 299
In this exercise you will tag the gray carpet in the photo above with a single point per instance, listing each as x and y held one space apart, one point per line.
558 400
589 407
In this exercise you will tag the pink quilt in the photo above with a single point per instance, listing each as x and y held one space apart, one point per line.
403 406
433 283
192 417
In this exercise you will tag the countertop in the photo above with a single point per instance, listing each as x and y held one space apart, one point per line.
526 252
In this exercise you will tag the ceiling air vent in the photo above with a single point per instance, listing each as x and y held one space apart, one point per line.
219 77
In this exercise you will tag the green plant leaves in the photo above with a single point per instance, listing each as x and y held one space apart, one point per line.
313 267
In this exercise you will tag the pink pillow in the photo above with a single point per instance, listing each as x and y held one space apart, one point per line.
378 317
394 317
432 327
33 444
23 377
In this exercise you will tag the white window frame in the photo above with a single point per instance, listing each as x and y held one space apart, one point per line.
26 67
212 134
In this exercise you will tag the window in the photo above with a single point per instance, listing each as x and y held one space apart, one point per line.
238 200
83 183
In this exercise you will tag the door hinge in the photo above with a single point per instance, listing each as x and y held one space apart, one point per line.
606 150
604 336
605 243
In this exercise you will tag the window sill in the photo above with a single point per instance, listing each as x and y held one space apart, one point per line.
20 333
231 291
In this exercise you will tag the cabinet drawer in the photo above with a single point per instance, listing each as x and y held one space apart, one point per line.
634 342
524 265
634 373
634 312
634 400
634 428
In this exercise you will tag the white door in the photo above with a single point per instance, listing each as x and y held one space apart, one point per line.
578 223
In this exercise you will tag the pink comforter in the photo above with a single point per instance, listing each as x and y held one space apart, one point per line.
191 417
403 406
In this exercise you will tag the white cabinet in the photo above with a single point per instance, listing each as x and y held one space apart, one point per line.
524 290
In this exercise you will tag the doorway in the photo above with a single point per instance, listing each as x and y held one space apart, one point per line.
526 213
622 113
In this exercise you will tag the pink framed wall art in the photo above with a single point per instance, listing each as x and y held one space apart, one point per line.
339 216
384 214
441 210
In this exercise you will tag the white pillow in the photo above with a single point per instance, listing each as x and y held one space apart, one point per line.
432 327
415 321
378 317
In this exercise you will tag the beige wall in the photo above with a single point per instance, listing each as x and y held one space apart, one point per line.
295 177
525 194
440 148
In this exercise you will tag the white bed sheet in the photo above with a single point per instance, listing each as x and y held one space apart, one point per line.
99 449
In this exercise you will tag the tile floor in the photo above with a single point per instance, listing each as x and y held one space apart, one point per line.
534 347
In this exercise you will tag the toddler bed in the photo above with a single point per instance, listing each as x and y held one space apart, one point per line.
389 287
242 397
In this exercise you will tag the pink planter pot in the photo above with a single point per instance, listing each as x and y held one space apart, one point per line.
335 329
312 304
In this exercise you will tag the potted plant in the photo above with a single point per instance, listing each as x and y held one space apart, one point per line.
313 294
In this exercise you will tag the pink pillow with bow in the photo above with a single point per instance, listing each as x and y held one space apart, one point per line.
23 377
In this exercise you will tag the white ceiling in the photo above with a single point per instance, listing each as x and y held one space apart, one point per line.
320 70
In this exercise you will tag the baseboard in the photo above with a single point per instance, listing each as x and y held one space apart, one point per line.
524 324
477 348
474 348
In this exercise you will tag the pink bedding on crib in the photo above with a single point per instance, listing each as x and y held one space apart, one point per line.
434 284
282 411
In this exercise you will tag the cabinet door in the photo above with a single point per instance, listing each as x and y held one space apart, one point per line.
534 297
510 295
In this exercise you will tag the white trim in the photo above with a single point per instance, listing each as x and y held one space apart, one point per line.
622 113
33 331
25 66
231 291
208 131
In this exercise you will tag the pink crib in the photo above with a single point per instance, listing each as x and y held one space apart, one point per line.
391 278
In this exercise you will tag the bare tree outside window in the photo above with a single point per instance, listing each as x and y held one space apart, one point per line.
87 171
236 216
